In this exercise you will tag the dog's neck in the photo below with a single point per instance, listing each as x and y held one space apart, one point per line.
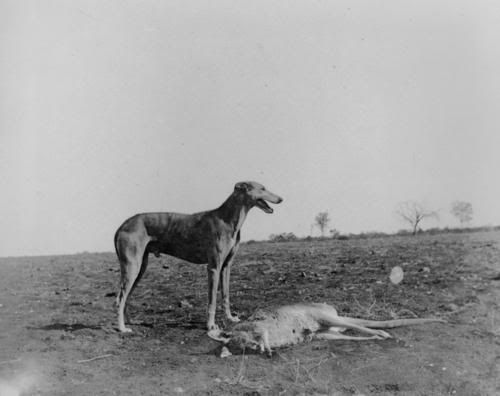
234 211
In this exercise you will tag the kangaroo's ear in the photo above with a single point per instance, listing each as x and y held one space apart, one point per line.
242 186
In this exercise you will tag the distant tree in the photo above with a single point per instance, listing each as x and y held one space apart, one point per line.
321 220
413 213
462 211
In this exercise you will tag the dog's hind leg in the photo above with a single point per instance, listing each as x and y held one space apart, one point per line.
131 254
129 272
144 266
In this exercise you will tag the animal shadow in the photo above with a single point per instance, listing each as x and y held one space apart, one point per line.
65 327
186 325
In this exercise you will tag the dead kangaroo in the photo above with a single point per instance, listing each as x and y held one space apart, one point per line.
292 324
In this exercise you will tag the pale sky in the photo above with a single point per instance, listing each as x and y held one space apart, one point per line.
110 108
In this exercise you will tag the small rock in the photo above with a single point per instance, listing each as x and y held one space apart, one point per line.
225 352
396 275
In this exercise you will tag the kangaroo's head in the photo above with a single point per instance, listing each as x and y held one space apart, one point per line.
240 339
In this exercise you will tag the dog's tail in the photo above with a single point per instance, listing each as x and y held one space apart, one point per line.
389 324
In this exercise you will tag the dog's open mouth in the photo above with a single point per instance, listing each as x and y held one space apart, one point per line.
261 204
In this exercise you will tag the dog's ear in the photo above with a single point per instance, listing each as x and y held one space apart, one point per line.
242 186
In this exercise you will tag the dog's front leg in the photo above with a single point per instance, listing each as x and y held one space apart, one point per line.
214 270
225 277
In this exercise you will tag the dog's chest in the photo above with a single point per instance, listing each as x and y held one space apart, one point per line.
231 241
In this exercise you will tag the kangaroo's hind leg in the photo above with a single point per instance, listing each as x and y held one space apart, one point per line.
328 317
336 335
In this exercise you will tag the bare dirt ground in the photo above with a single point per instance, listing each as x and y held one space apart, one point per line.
57 314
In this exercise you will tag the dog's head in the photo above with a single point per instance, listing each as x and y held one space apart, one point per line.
255 194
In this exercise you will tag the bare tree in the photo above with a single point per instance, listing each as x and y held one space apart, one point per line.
413 213
321 220
462 210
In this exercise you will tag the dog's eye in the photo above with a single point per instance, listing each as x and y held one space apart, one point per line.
242 186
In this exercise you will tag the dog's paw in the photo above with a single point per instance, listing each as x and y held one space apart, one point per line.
233 318
214 334
125 330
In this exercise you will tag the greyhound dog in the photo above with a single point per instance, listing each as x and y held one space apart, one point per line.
292 324
210 237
